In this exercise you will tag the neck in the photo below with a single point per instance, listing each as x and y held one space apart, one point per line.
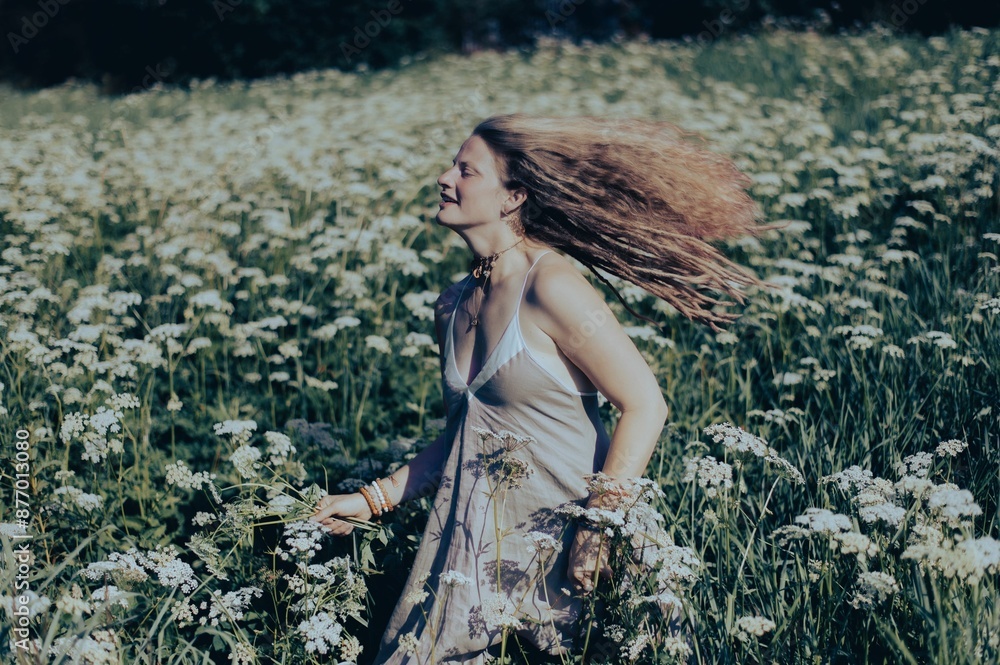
485 247
513 252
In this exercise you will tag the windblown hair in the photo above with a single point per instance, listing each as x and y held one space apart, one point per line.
633 198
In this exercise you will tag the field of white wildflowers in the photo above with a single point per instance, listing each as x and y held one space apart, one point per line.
216 305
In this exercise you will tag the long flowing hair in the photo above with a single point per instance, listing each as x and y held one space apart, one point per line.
634 198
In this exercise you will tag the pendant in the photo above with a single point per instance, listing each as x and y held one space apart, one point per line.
475 320
484 267
482 271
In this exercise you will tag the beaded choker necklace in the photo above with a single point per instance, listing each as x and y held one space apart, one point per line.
482 267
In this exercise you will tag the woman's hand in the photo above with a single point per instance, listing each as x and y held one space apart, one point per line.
587 555
341 505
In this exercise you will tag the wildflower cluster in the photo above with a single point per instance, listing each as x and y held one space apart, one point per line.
745 445
651 574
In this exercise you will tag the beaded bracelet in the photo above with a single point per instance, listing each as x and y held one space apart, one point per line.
371 503
378 496
385 495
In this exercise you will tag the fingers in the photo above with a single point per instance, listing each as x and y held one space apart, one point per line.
325 509
581 571
337 527
587 556
583 581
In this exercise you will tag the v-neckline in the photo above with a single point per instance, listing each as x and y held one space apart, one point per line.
467 385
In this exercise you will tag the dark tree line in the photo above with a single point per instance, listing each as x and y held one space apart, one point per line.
129 44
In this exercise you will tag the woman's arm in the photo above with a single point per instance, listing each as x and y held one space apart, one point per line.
416 479
421 475
585 329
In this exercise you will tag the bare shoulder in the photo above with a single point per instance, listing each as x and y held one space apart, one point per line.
558 285
447 300
443 309
575 316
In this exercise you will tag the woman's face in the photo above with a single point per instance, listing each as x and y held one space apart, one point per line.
471 192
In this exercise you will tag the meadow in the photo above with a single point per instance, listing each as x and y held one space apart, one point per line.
216 305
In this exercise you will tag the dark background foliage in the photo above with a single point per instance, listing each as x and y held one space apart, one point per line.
130 44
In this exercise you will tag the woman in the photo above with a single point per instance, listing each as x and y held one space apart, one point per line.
526 345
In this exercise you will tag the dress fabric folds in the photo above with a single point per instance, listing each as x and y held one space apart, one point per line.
494 552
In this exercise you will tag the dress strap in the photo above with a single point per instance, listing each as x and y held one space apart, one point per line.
525 283
458 300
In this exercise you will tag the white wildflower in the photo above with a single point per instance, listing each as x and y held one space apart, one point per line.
87 502
787 379
918 465
853 542
953 503
73 425
822 520
873 588
748 628
69 604
231 605
180 474
951 448
711 474
243 654
888 512
416 596
202 518
245 460
630 651
171 571
736 439
542 543
409 643
677 648
174 404
350 648
123 568
281 504
453 578
279 447
321 633
239 430
894 351
302 539
111 595
347 322
498 612
379 343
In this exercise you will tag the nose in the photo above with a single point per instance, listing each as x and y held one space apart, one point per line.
445 178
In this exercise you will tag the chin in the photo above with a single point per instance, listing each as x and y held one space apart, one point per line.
437 218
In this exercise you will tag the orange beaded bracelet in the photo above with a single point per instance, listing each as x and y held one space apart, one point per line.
371 503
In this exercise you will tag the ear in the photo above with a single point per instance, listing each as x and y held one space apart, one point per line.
515 199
